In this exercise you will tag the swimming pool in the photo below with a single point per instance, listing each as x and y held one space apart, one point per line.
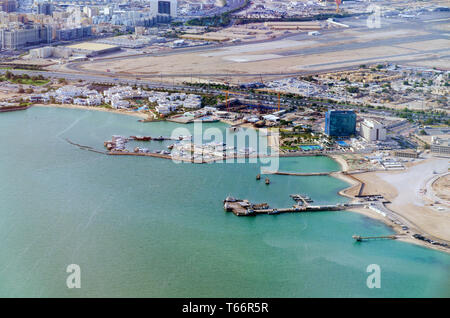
311 147
342 143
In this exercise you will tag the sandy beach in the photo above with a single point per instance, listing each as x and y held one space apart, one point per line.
102 109
340 161
404 189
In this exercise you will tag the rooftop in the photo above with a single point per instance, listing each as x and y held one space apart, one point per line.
91 46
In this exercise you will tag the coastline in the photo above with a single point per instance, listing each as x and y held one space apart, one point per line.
341 162
102 109
370 180
349 192
401 235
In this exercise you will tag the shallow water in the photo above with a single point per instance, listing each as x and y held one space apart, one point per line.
148 227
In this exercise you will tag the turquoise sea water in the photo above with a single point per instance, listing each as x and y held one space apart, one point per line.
146 227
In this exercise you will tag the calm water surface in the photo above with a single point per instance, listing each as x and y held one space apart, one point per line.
146 227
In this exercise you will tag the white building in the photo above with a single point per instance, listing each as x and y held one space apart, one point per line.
94 100
372 130
80 101
271 117
440 146
117 102
165 109
69 91
43 52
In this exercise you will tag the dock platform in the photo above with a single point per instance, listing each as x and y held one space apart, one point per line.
246 208
360 238
300 174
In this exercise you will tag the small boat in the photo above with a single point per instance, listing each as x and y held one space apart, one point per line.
258 177
267 181
229 199
260 206
170 147
141 138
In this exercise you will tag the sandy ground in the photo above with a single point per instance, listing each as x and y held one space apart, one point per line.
405 191
401 235
341 162
442 187
268 57
102 109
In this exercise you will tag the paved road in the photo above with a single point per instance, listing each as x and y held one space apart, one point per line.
430 193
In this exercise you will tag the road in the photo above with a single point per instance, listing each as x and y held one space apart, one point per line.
266 99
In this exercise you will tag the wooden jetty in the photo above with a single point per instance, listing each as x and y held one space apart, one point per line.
246 208
300 174
360 238
301 198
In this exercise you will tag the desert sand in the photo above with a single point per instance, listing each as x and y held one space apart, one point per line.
405 191
441 187
352 48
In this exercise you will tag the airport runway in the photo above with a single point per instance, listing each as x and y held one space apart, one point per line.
425 25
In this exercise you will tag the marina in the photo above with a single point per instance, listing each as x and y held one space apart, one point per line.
74 198
137 135
183 149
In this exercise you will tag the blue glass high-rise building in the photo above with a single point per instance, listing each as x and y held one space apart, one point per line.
164 7
340 123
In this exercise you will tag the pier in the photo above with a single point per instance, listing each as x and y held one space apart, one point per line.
300 174
301 199
246 208
359 238
141 154
88 148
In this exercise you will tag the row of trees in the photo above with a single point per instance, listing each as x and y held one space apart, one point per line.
15 77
